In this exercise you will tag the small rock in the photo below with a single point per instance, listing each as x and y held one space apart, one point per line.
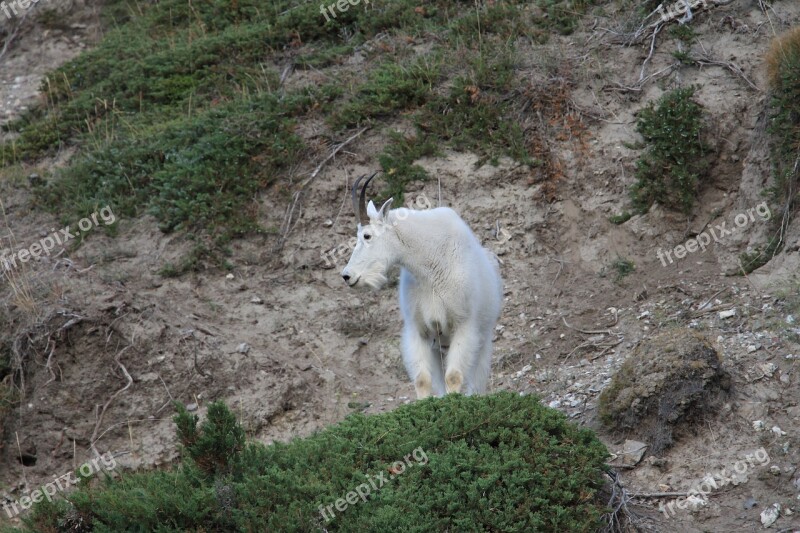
243 348
790 319
328 223
632 452
256 300
229 276
727 314
525 370
768 369
778 431
770 514
775 470
36 181
695 503
758 425
191 407
739 479
555 404
749 503
753 348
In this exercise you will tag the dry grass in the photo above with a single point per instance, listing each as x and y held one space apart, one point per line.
17 278
784 49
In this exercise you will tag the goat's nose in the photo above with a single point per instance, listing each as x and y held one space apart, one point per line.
346 277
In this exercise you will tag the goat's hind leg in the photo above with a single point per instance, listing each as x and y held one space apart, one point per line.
422 364
462 357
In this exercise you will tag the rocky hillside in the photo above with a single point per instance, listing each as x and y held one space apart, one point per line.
633 168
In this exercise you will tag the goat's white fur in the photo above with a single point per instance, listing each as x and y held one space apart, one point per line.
450 293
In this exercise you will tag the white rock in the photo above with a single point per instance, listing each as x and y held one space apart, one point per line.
770 514
555 404
243 348
768 369
727 314
525 370
695 503
229 276
758 425
778 431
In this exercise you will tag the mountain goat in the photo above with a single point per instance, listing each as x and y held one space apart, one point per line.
450 290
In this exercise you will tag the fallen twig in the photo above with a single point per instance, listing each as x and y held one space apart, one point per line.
129 382
287 226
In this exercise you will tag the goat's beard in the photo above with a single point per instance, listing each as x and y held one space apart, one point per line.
375 280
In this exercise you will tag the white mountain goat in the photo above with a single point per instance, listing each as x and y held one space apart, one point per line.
450 290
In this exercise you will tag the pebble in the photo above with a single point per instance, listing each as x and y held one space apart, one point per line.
770 514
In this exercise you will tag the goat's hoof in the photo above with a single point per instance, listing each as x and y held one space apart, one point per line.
423 385
454 380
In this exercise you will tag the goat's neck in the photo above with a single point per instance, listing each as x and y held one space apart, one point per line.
420 253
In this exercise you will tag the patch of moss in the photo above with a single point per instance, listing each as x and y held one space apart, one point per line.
671 379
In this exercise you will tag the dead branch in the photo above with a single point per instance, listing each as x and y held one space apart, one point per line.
287 226
129 382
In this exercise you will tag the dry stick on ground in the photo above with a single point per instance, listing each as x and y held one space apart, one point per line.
620 518
287 223
706 59
599 344
129 379
13 34
701 306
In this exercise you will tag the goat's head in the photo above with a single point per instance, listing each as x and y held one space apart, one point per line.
376 249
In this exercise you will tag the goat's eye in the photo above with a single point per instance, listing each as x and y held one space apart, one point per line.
367 236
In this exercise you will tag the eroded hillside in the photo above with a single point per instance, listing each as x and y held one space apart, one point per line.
225 140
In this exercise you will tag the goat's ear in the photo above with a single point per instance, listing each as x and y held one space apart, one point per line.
385 208
372 213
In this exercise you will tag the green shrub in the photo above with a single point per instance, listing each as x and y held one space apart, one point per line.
391 87
397 161
674 161
484 463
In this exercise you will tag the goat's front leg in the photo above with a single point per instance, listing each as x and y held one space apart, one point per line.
462 359
422 365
